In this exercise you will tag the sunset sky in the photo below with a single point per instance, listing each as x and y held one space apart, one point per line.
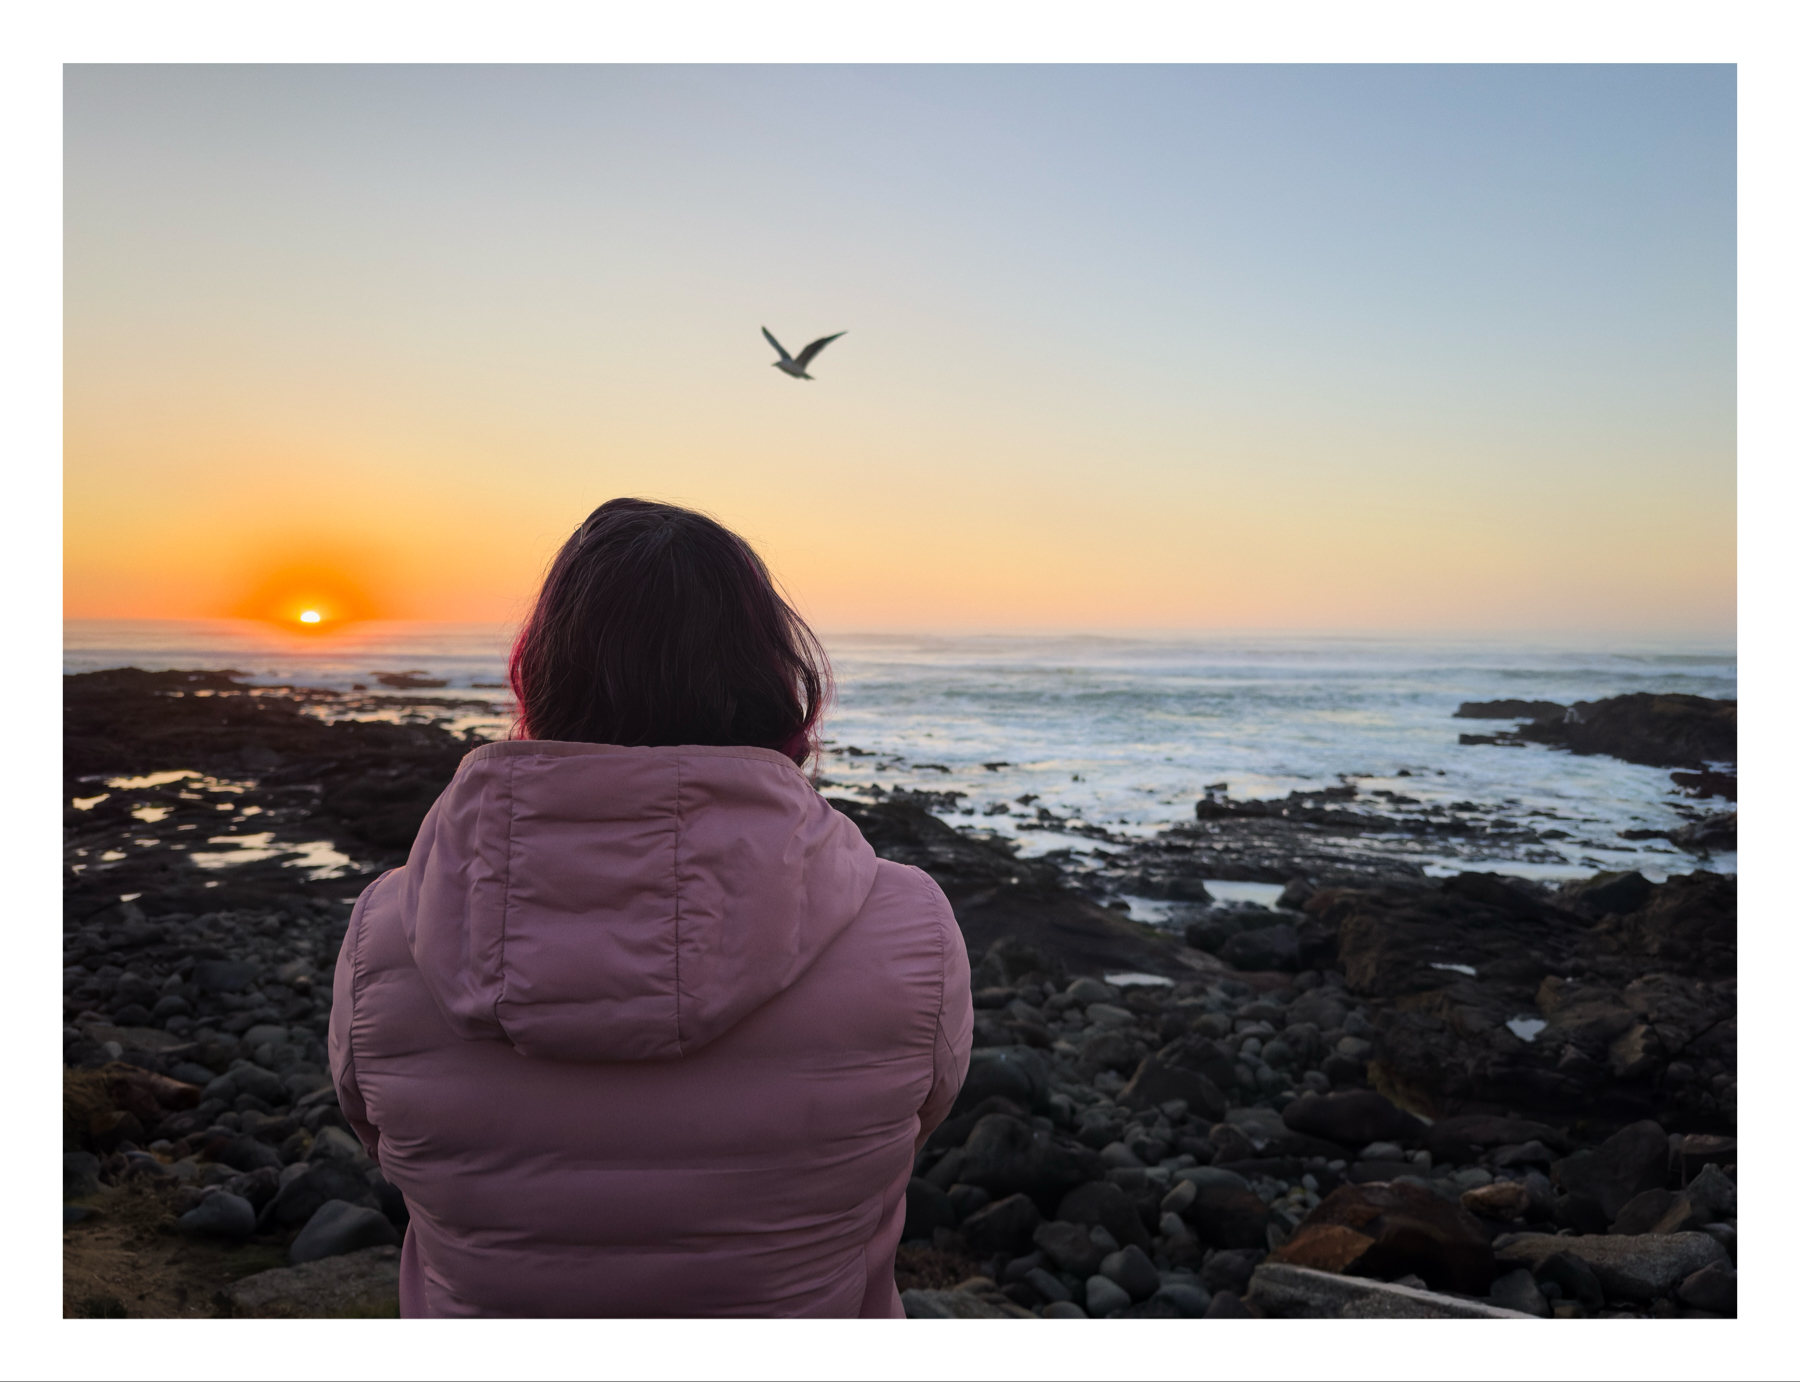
1307 348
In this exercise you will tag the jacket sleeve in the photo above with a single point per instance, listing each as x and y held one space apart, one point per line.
343 1015
955 1022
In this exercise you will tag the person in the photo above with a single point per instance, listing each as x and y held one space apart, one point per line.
643 1027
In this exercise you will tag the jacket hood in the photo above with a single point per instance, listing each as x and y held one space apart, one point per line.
599 903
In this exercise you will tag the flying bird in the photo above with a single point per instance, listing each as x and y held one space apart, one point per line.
796 365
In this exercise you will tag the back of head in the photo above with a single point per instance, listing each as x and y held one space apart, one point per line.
658 626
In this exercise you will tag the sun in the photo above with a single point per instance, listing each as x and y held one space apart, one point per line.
310 616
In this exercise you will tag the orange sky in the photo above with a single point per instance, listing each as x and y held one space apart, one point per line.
1200 348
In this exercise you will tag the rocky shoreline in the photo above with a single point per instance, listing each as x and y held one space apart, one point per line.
1388 1096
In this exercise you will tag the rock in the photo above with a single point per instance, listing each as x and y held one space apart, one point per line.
1108 1048
1104 1296
365 1283
1698 1150
1115 1154
1713 1287
1713 1194
81 1175
1284 1291
1573 1278
1184 1302
310 1186
1606 893
1717 832
1294 895
1391 1229
1191 1068
1004 1226
1063 1310
1047 1286
1631 1268
247 1154
927 1208
1105 1204
1230 1269
1228 1216
1007 1156
1133 1271
1072 1247
1264 948
968 1199
1518 1290
1017 1073
221 1215
1353 1118
223 976
1085 991
1462 1139
340 1227
1504 1199
1641 1212
335 1143
1225 1305
1603 1180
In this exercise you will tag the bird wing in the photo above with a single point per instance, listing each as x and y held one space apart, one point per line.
777 344
805 356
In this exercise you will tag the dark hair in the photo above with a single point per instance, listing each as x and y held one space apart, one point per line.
657 625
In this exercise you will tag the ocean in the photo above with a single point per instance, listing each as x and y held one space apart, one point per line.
1124 733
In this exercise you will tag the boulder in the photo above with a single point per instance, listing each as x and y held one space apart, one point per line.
1274 947
1007 1156
1017 1073
1131 1268
220 1215
339 1227
1391 1229
1602 1180
1712 1288
1464 1138
310 1185
1228 1216
1159 1080
1105 1204
1354 1118
1628 1267
1105 1296
1005 1226
1073 1247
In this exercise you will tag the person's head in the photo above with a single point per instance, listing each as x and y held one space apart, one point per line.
658 626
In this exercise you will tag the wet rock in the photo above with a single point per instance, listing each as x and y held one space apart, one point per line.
338 1227
1283 1291
221 1215
1518 1290
1606 893
1713 1287
1353 1118
364 1283
1390 1230
1628 1268
1658 729
1005 1226
1603 1180
927 1209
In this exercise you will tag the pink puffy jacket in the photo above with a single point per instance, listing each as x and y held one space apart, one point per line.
647 1031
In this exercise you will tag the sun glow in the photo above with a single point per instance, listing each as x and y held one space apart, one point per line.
311 616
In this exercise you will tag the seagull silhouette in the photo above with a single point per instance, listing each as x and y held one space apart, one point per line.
796 366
